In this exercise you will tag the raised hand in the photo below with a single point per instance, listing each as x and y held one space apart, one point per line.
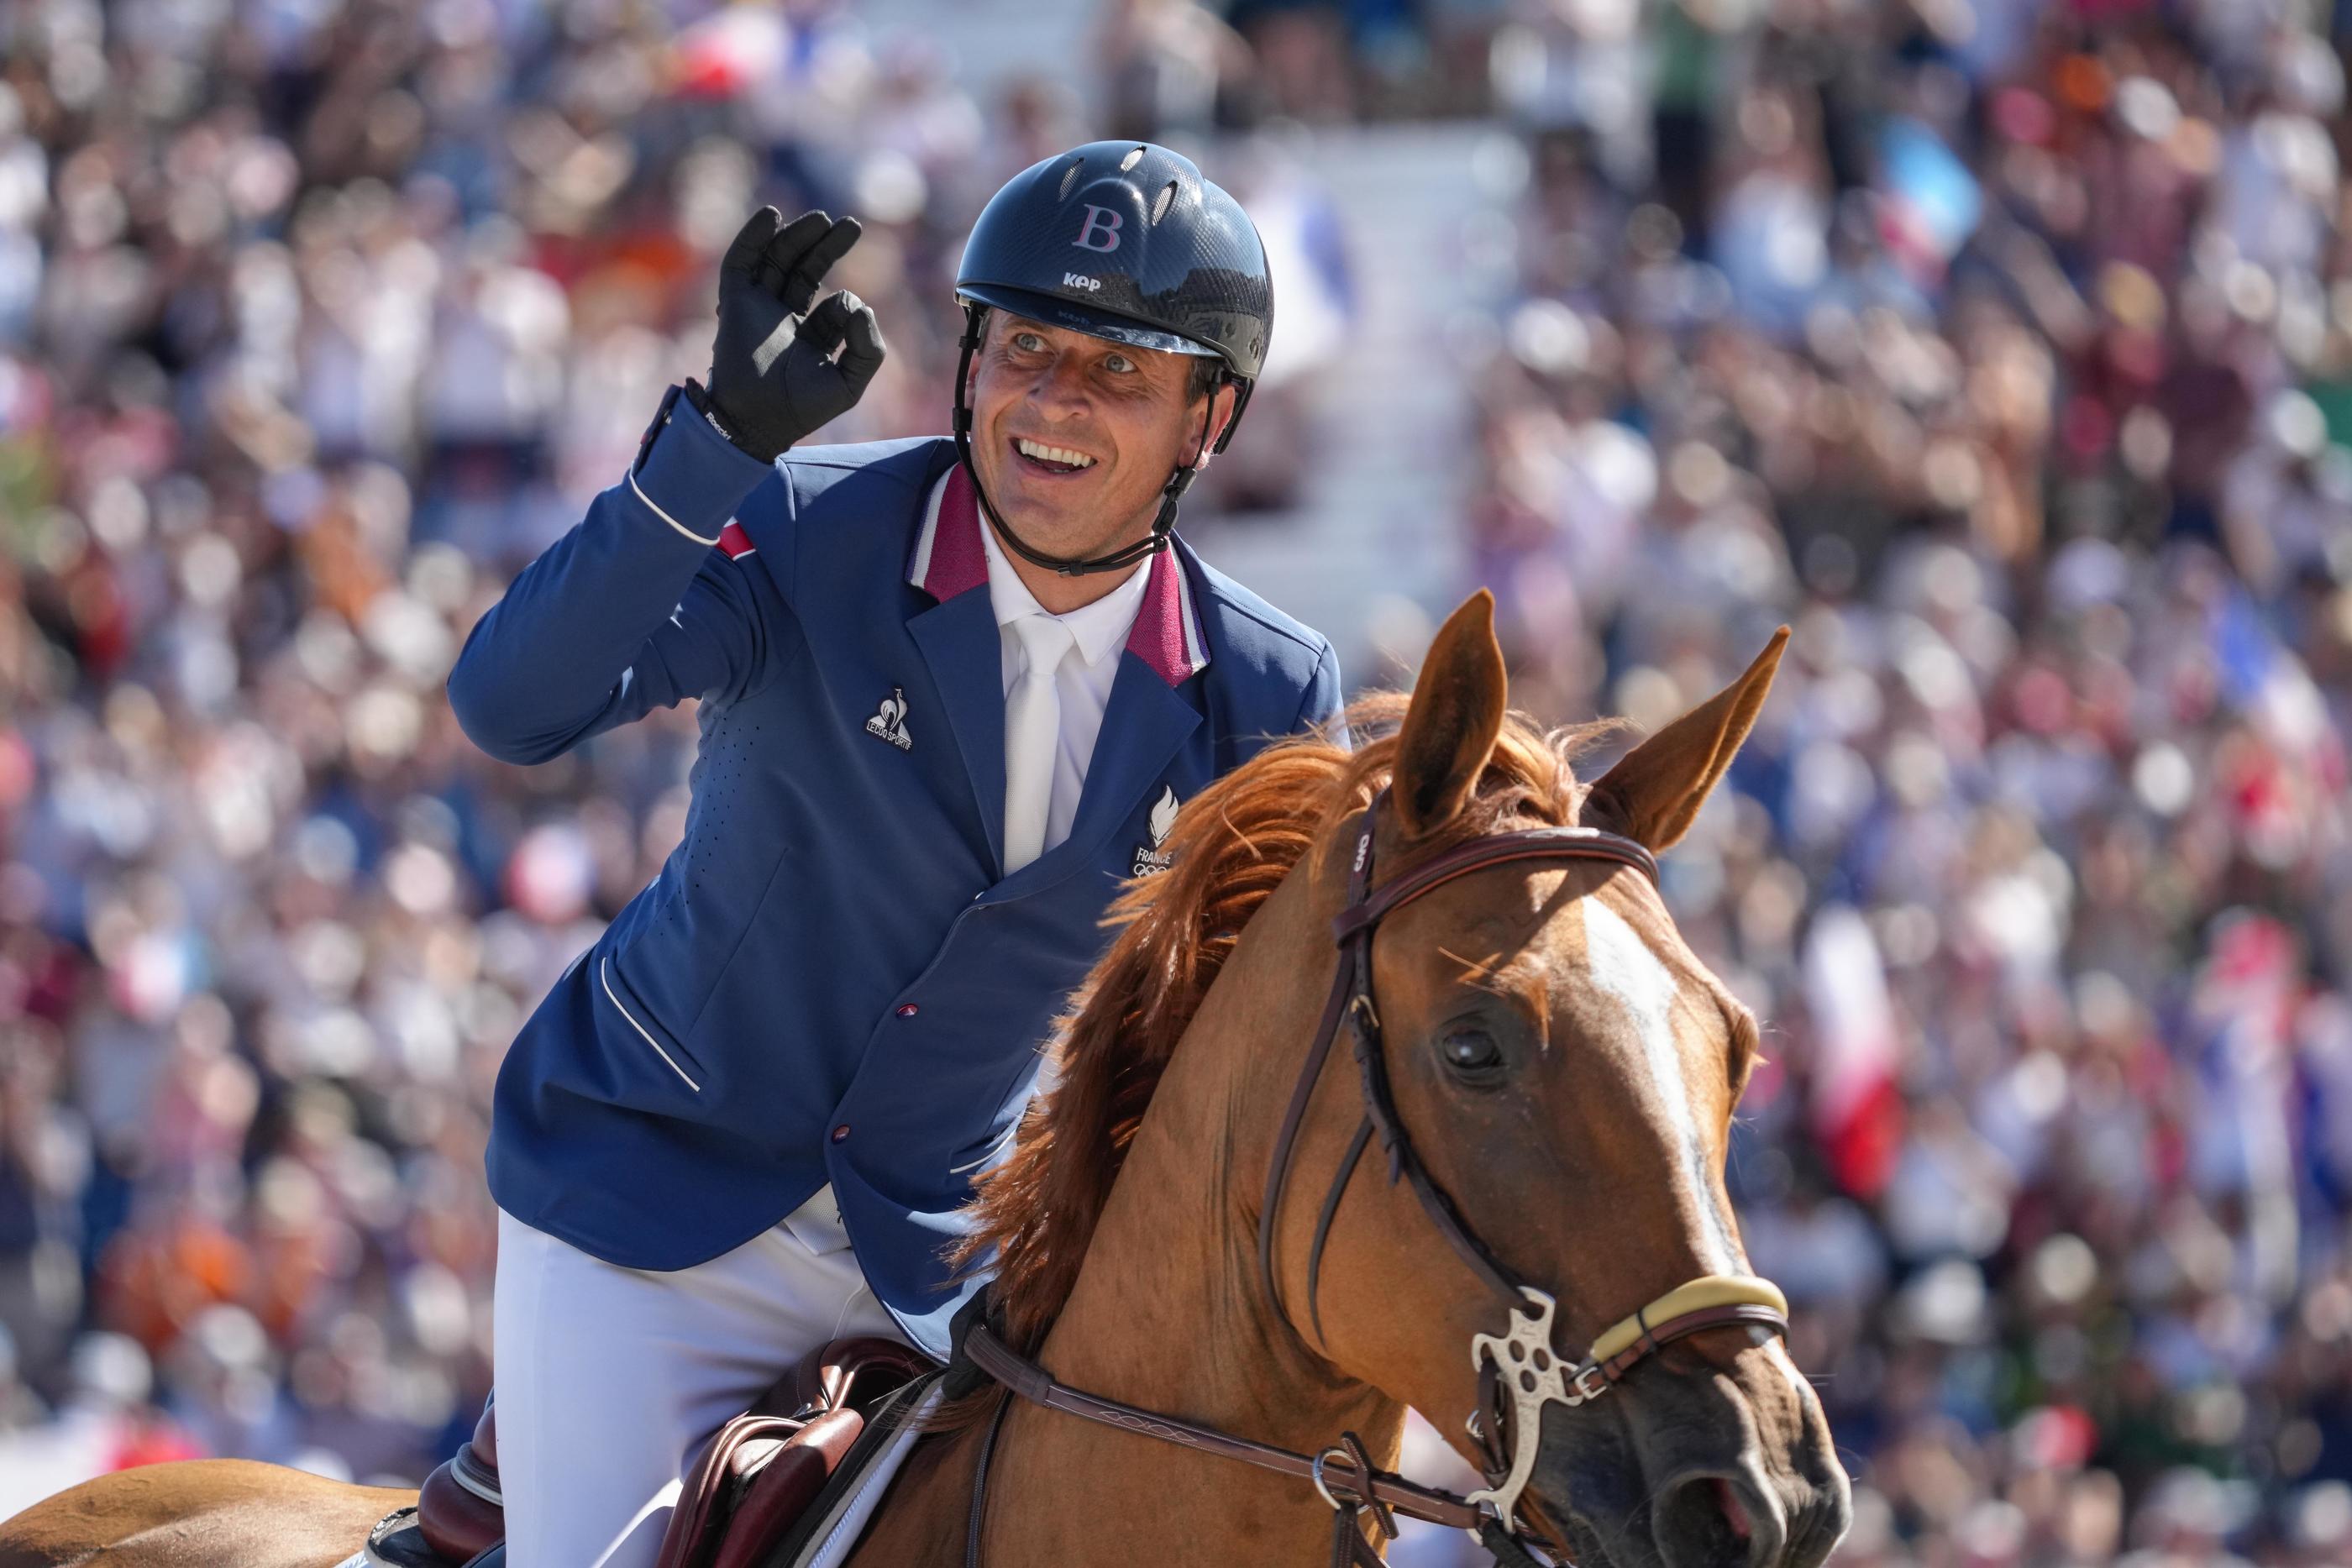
776 376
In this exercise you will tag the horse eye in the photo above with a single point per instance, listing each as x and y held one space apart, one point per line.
1471 1051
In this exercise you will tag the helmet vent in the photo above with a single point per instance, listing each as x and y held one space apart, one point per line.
1070 178
1167 195
1132 160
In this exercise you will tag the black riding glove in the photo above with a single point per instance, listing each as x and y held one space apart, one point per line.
774 378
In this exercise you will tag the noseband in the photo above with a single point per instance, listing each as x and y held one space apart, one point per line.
1519 1371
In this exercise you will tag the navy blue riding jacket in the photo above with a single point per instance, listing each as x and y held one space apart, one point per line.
832 979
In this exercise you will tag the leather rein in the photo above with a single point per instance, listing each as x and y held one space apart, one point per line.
1519 1372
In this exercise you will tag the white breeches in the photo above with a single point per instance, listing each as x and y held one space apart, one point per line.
610 1380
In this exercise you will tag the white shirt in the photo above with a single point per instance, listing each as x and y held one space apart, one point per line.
1083 684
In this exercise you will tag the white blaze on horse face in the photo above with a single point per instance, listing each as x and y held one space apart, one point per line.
1622 965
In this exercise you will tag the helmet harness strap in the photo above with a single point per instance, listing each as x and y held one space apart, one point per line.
974 315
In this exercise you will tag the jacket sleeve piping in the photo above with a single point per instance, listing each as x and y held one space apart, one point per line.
665 517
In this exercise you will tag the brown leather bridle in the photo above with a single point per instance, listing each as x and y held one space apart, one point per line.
1519 1372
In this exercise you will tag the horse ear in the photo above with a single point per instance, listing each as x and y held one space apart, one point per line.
1655 792
1456 713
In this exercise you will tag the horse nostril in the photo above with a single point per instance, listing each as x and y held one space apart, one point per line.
1733 1511
1706 1520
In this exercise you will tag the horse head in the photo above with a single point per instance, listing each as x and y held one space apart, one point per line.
1565 1070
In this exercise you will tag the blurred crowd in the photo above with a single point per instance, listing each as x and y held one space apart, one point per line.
2002 349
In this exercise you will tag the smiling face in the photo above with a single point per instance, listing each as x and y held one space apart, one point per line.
1074 436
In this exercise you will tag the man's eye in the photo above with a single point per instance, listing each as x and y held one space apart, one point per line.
1119 363
1028 342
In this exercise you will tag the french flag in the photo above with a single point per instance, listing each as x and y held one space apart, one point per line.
1856 1109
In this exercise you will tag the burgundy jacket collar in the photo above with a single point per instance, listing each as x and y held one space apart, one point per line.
949 561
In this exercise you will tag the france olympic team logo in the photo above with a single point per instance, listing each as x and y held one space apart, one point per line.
1103 224
1151 859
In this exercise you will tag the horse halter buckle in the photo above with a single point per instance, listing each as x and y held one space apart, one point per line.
1534 1377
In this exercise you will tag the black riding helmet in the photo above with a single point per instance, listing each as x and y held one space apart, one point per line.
1125 241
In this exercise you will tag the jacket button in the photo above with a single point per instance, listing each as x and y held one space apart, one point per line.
841 1133
907 1010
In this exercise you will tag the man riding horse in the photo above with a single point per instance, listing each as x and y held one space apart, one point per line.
1397 1089
951 693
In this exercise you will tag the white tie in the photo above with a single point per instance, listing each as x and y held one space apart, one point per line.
1033 738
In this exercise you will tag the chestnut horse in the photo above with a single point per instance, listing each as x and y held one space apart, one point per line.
1566 1069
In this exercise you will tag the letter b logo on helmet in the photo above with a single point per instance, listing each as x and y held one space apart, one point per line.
1102 224
1176 265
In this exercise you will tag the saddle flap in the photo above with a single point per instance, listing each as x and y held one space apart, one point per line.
750 1483
748 1459
753 1479
751 1493
842 1371
785 1488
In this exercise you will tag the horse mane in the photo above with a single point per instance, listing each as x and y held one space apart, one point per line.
1232 845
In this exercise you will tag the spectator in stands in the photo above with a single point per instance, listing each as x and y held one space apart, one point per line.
2004 349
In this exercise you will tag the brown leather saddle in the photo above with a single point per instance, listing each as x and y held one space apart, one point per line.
753 1482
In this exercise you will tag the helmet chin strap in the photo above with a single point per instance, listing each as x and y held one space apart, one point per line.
1067 566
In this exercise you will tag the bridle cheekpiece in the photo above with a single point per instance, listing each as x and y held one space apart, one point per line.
1519 1371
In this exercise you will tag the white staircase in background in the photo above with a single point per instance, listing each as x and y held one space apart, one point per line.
1377 546
989 40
